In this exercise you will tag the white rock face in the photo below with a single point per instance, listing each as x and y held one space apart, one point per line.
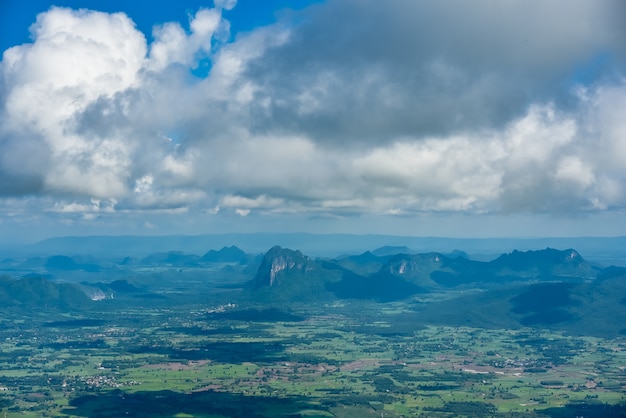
277 260
97 295
279 265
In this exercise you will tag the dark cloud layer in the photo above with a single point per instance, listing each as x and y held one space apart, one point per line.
370 70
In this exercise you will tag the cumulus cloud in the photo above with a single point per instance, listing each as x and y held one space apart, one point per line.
353 107
172 45
77 57
67 127
369 71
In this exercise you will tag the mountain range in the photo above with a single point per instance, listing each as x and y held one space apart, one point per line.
556 288
607 250
394 277
548 287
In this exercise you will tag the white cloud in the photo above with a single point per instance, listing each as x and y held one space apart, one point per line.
172 45
248 203
87 211
69 110
143 184
242 212
169 47
225 4
447 168
71 207
571 169
148 195
77 57
409 120
212 211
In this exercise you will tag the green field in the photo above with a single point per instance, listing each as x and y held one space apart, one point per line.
346 360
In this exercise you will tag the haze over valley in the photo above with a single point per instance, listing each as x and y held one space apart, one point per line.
283 333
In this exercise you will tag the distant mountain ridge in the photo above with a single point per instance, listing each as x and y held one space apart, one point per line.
65 263
388 250
402 275
546 262
172 258
325 245
231 254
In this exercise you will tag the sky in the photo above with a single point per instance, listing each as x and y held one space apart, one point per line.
460 119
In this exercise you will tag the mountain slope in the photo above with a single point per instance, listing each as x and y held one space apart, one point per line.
286 275
436 269
543 263
364 264
290 275
230 254
279 262
64 263
38 292
594 307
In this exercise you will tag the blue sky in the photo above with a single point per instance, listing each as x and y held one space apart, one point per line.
410 118
249 14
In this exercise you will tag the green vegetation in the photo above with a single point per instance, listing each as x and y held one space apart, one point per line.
313 361
201 342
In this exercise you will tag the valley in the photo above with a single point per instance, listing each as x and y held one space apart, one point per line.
521 336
